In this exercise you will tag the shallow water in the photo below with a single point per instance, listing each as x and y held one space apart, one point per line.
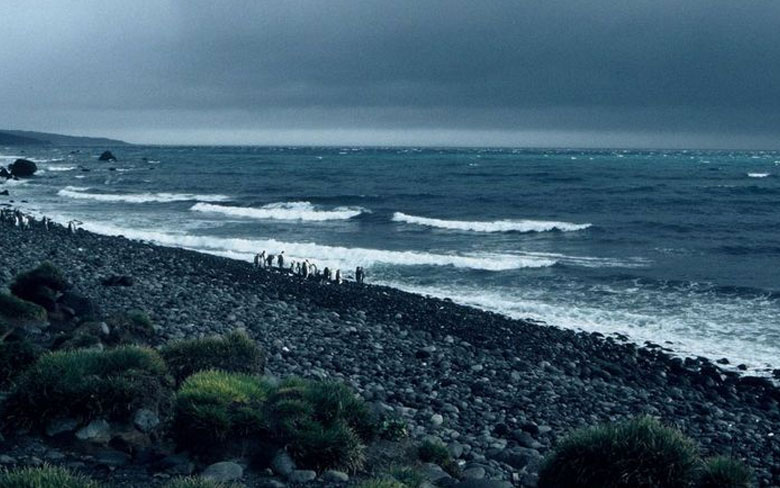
677 246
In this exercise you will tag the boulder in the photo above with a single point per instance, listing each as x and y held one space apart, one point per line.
96 431
4 193
301 476
223 472
334 476
145 420
23 168
107 156
61 426
283 464
4 173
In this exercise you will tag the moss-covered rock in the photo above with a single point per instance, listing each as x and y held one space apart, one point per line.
85 384
235 352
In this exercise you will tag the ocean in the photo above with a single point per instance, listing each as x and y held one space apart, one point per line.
680 248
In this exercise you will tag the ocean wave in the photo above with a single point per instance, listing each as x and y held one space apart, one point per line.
61 168
495 226
80 193
282 211
757 175
323 255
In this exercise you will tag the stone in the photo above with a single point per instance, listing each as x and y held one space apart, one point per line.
483 483
22 168
455 449
177 464
475 473
335 476
270 483
118 280
282 463
96 431
301 476
112 458
107 156
433 472
5 174
145 420
437 420
6 459
60 426
223 471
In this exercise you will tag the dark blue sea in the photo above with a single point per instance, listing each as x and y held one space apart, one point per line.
681 248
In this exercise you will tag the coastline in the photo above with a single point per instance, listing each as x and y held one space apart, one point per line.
503 386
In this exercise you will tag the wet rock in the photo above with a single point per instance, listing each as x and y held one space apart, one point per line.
22 168
107 156
334 476
282 464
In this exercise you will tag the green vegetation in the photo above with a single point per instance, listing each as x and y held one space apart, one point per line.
215 406
724 472
324 423
15 312
89 383
638 453
409 477
132 327
15 356
393 429
44 477
433 452
235 353
382 483
194 482
40 285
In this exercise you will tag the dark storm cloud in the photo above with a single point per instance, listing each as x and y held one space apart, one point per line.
162 70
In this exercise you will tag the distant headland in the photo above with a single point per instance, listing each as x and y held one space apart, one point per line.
29 138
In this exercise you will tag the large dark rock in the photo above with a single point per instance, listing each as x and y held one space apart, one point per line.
4 173
107 156
23 168
78 305
4 193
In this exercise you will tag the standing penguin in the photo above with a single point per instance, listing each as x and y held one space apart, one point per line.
338 276
280 260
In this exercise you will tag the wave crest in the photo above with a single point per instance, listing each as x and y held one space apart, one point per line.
282 211
757 175
80 193
495 226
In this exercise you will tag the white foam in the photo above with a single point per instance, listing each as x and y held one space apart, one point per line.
11 182
61 168
495 226
758 175
696 324
70 192
282 211
331 256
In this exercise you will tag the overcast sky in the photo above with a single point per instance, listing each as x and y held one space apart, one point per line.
631 73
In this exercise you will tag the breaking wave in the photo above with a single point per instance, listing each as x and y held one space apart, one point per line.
495 226
282 211
758 175
80 193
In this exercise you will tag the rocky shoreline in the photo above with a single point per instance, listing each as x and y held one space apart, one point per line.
497 391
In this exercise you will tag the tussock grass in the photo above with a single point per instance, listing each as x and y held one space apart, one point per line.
44 477
215 406
195 482
724 472
637 453
89 383
40 285
235 352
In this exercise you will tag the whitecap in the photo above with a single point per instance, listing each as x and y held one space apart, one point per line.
494 226
163 197
61 168
323 255
758 175
282 211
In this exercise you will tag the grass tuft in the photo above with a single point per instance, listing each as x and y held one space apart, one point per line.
214 406
44 477
724 472
638 453
40 285
86 384
235 352
195 482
